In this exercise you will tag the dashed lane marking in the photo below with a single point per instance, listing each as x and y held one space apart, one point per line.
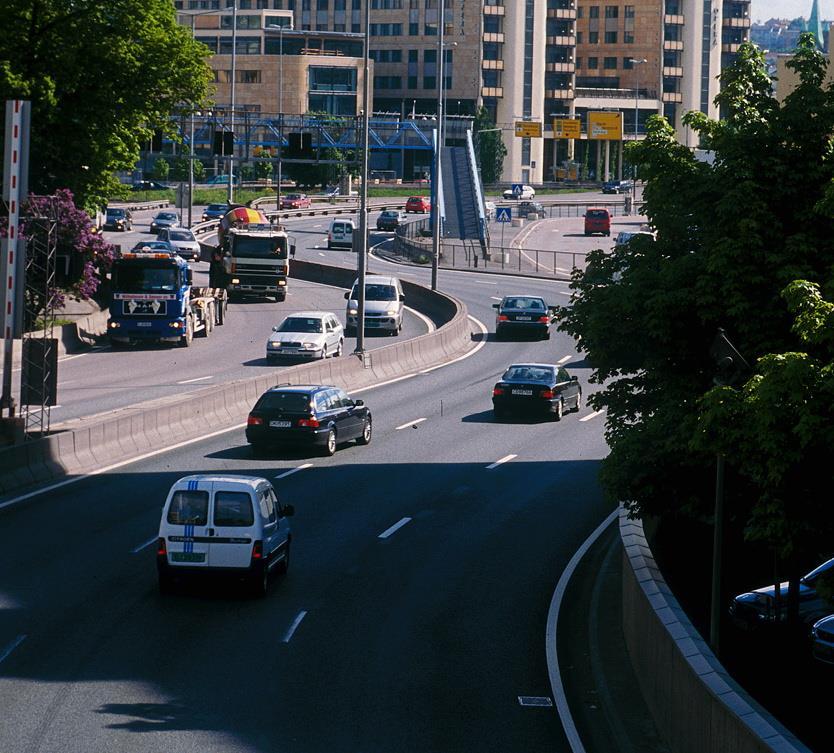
292 628
139 548
294 470
6 652
505 459
196 379
564 359
410 423
592 415
394 528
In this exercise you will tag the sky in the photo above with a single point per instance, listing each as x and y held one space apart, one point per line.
763 9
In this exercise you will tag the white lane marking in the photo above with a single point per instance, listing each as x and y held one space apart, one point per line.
4 654
564 292
496 298
295 623
196 379
592 415
505 459
394 528
485 282
226 430
428 322
294 470
556 685
139 548
564 359
410 423
320 253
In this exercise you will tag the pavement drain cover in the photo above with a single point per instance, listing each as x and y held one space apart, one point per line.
534 700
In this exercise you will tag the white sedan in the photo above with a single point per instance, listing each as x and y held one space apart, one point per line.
307 335
521 192
183 241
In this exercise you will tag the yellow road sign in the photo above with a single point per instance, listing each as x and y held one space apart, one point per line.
528 129
567 128
605 125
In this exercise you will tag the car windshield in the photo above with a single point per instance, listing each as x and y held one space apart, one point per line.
291 196
115 212
181 235
390 215
377 293
152 246
300 324
144 277
525 304
291 402
823 569
166 216
261 246
530 373
216 208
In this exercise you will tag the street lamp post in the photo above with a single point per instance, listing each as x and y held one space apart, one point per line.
280 113
362 249
635 63
234 76
435 200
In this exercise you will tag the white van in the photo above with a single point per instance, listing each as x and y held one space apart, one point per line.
340 234
223 525
383 305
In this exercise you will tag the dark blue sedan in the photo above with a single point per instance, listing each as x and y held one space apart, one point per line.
536 388
523 313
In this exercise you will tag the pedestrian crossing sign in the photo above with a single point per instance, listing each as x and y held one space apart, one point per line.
503 214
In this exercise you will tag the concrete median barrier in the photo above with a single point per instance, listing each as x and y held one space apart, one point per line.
98 441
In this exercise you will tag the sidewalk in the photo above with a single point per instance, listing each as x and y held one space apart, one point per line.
601 687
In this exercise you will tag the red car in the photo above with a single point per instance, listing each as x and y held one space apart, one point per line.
418 204
597 220
295 201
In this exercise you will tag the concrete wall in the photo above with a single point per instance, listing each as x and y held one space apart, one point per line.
696 705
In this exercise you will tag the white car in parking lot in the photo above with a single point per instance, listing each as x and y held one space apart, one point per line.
307 335
521 192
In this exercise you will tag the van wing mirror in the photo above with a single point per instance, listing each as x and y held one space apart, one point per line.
358 403
496 305
188 276
402 296
292 249
347 296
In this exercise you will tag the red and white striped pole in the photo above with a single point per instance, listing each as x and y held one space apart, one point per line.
10 248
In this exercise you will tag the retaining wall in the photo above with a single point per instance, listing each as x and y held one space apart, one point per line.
98 441
696 705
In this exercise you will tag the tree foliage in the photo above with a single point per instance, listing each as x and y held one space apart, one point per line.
101 76
731 236
491 149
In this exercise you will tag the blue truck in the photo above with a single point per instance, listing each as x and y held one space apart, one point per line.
153 301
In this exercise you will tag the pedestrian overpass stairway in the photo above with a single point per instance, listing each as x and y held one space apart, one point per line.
462 194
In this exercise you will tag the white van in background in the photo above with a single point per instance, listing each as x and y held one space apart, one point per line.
340 234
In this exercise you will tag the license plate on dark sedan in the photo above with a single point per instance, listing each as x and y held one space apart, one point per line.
143 324
522 392
524 318
280 424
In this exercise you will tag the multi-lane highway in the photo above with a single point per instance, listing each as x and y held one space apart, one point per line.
413 615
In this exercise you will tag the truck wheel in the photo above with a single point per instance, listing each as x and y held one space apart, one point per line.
186 339
209 322
221 313
281 296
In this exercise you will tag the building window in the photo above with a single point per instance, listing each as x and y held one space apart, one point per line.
414 30
593 37
593 62
356 28
429 82
610 64
412 56
610 37
492 25
430 56
612 11
579 37
491 79
628 11
580 12
593 11
322 4
386 30
628 37
492 51
412 82
333 104
249 77
627 64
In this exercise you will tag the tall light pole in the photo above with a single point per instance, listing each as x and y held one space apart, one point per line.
635 63
435 193
362 249
281 28
234 76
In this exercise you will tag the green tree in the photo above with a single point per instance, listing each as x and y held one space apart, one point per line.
491 149
730 237
101 77
161 169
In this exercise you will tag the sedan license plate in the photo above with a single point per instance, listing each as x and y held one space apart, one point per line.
522 392
524 318
188 556
143 324
280 424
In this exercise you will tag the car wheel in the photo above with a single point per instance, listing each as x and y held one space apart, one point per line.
329 246
329 448
498 413
339 349
259 450
259 582
560 410
285 563
578 406
546 334
367 431
499 333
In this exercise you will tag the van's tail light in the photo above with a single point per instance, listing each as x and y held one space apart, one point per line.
497 391
503 318
161 549
233 267
254 420
547 394
544 319
257 551
310 422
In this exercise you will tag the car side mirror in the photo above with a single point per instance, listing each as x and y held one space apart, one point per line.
496 305
359 403
402 296
275 328
574 378
292 250
347 296
188 276
287 511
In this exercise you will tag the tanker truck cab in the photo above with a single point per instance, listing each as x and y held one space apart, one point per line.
257 260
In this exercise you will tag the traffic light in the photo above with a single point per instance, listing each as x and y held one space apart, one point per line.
730 366
300 144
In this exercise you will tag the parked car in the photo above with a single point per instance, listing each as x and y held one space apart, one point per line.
383 305
223 525
164 219
489 210
539 388
390 219
222 180
340 234
822 639
148 185
295 201
754 609
526 208
523 313
307 335
522 192
318 416
597 220
183 241
418 204
624 236
117 218
618 186
215 212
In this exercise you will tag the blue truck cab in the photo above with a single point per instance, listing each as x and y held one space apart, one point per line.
153 301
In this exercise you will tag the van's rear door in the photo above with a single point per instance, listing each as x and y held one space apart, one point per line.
233 527
185 527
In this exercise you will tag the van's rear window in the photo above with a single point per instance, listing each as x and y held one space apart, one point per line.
598 214
233 509
188 508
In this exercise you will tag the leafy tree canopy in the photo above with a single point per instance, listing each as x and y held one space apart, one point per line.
731 236
101 76
491 149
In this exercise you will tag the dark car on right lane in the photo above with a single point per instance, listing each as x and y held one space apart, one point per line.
523 313
536 388
390 219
